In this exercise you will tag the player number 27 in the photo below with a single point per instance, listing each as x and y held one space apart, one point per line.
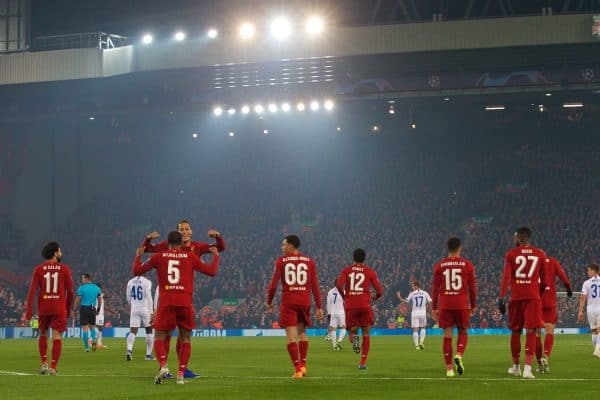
51 282
173 273
295 274
522 261
454 279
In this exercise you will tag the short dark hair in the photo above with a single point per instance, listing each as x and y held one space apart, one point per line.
594 267
49 250
293 240
175 238
524 232
87 275
454 244
417 284
184 221
359 255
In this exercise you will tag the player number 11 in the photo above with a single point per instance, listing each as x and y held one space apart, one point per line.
51 282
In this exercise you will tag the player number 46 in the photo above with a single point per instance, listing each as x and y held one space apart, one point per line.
173 273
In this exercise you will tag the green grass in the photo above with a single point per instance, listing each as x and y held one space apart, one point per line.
259 368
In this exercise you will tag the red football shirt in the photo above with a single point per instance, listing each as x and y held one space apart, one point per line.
355 282
454 285
198 248
552 269
298 276
524 270
175 272
55 284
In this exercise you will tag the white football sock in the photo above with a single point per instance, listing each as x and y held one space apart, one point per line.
130 341
422 333
342 334
333 334
416 338
149 342
594 339
99 337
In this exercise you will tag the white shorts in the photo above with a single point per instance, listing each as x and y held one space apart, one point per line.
100 320
139 319
418 320
337 320
593 316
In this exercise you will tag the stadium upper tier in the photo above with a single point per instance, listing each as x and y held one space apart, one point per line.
229 48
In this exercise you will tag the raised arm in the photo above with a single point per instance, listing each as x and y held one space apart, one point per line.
207 269
139 268
154 248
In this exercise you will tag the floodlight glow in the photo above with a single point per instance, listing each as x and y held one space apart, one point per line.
247 31
245 109
285 107
328 105
212 33
314 105
375 128
231 111
413 125
495 108
300 107
266 131
573 105
231 134
281 28
218 111
194 135
339 129
272 108
548 94
314 25
259 109
92 118
179 36
147 38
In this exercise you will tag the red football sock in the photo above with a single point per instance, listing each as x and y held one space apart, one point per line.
178 347
447 350
538 348
515 346
56 350
43 348
461 343
366 344
303 346
293 351
167 345
185 352
161 352
529 347
548 343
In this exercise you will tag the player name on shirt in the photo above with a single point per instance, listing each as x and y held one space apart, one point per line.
175 255
295 258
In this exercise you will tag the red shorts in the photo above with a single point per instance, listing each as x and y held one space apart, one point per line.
293 314
525 314
450 318
56 322
359 317
171 317
549 315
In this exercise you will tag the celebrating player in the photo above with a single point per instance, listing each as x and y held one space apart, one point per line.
354 283
524 271
298 276
337 318
139 297
590 295
419 301
55 284
552 269
199 248
89 297
175 270
454 301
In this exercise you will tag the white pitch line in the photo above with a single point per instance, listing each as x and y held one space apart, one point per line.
333 378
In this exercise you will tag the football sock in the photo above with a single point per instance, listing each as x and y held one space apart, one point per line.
168 344
161 353
529 347
303 347
333 335
548 343
366 344
447 350
85 336
515 347
538 347
461 343
178 346
130 341
56 350
422 333
416 338
292 349
93 332
342 334
99 335
149 342
594 339
184 357
43 348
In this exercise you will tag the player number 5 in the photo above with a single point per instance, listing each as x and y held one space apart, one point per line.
173 274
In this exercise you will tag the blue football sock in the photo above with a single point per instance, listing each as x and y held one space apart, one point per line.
93 334
85 337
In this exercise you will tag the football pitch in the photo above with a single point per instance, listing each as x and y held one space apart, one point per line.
259 368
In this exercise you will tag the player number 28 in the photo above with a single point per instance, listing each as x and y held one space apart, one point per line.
453 279
522 261
173 274
295 274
